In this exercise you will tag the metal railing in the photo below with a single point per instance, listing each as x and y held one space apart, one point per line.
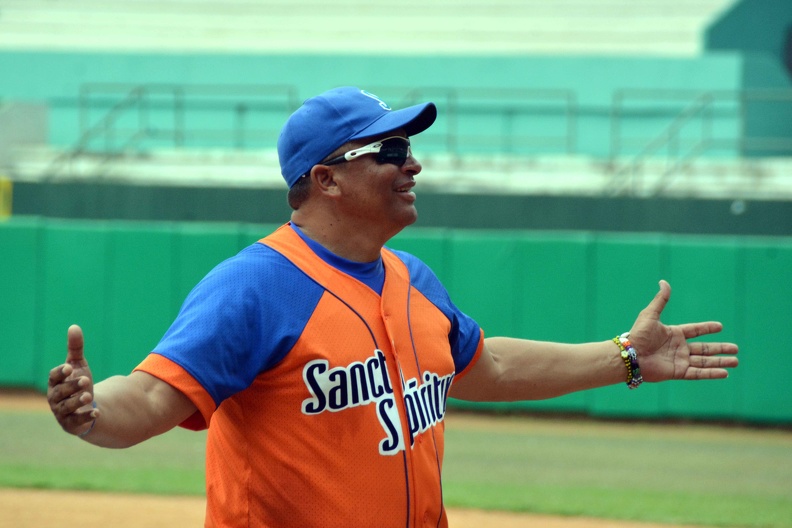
115 117
673 128
119 119
162 112
510 116
695 125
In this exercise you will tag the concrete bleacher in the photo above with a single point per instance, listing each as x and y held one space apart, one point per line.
744 179
476 44
609 27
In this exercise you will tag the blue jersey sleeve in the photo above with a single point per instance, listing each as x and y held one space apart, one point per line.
240 320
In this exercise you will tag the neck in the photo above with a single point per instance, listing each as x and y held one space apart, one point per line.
347 241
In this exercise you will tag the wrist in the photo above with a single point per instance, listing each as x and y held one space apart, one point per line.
93 423
630 359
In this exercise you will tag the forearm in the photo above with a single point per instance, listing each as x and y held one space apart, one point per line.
519 369
134 408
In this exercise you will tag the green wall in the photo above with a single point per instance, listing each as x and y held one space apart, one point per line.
123 282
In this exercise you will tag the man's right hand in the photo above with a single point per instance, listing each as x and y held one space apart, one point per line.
70 391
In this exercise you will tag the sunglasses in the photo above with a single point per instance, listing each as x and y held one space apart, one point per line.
395 150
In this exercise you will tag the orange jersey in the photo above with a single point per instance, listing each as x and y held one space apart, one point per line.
324 398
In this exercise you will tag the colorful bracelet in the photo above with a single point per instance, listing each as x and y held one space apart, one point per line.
630 358
625 357
85 433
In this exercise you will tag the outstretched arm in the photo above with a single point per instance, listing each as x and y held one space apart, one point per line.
517 369
128 409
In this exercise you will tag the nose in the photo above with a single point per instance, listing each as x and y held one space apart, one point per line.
411 165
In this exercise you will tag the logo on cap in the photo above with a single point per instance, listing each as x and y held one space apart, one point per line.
382 103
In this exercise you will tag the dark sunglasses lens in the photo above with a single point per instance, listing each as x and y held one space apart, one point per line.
394 151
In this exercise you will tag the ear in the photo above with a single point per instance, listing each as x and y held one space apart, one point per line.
324 179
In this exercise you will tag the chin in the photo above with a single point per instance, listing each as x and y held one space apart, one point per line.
412 219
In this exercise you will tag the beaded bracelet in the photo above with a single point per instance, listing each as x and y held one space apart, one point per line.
630 358
625 357
85 433
635 370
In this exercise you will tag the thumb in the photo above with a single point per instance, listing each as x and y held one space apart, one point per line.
658 304
75 342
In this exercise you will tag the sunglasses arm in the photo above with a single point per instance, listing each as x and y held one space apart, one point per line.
374 148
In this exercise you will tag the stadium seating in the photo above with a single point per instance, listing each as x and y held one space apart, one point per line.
612 27
594 83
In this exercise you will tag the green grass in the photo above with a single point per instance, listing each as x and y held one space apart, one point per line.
659 473
35 453
692 474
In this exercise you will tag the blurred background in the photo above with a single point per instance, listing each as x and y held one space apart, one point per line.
584 149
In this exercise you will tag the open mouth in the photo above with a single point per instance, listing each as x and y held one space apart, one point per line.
407 187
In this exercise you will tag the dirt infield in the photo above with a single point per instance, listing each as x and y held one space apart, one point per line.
43 509
49 508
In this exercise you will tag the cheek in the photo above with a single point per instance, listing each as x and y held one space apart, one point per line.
372 184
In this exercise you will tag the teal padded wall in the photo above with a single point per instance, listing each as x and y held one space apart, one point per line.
702 273
139 283
767 290
124 282
552 287
73 288
19 311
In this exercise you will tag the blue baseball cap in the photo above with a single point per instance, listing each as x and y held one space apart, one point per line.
327 121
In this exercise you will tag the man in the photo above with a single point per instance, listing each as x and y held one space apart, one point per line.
321 361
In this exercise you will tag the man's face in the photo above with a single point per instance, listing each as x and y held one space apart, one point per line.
378 194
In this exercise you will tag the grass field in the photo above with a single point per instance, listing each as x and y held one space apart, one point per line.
690 474
693 474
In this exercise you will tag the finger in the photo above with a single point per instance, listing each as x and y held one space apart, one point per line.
658 304
58 374
75 423
77 403
693 373
712 349
716 362
691 330
75 343
67 389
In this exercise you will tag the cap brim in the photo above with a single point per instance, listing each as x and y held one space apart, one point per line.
413 119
